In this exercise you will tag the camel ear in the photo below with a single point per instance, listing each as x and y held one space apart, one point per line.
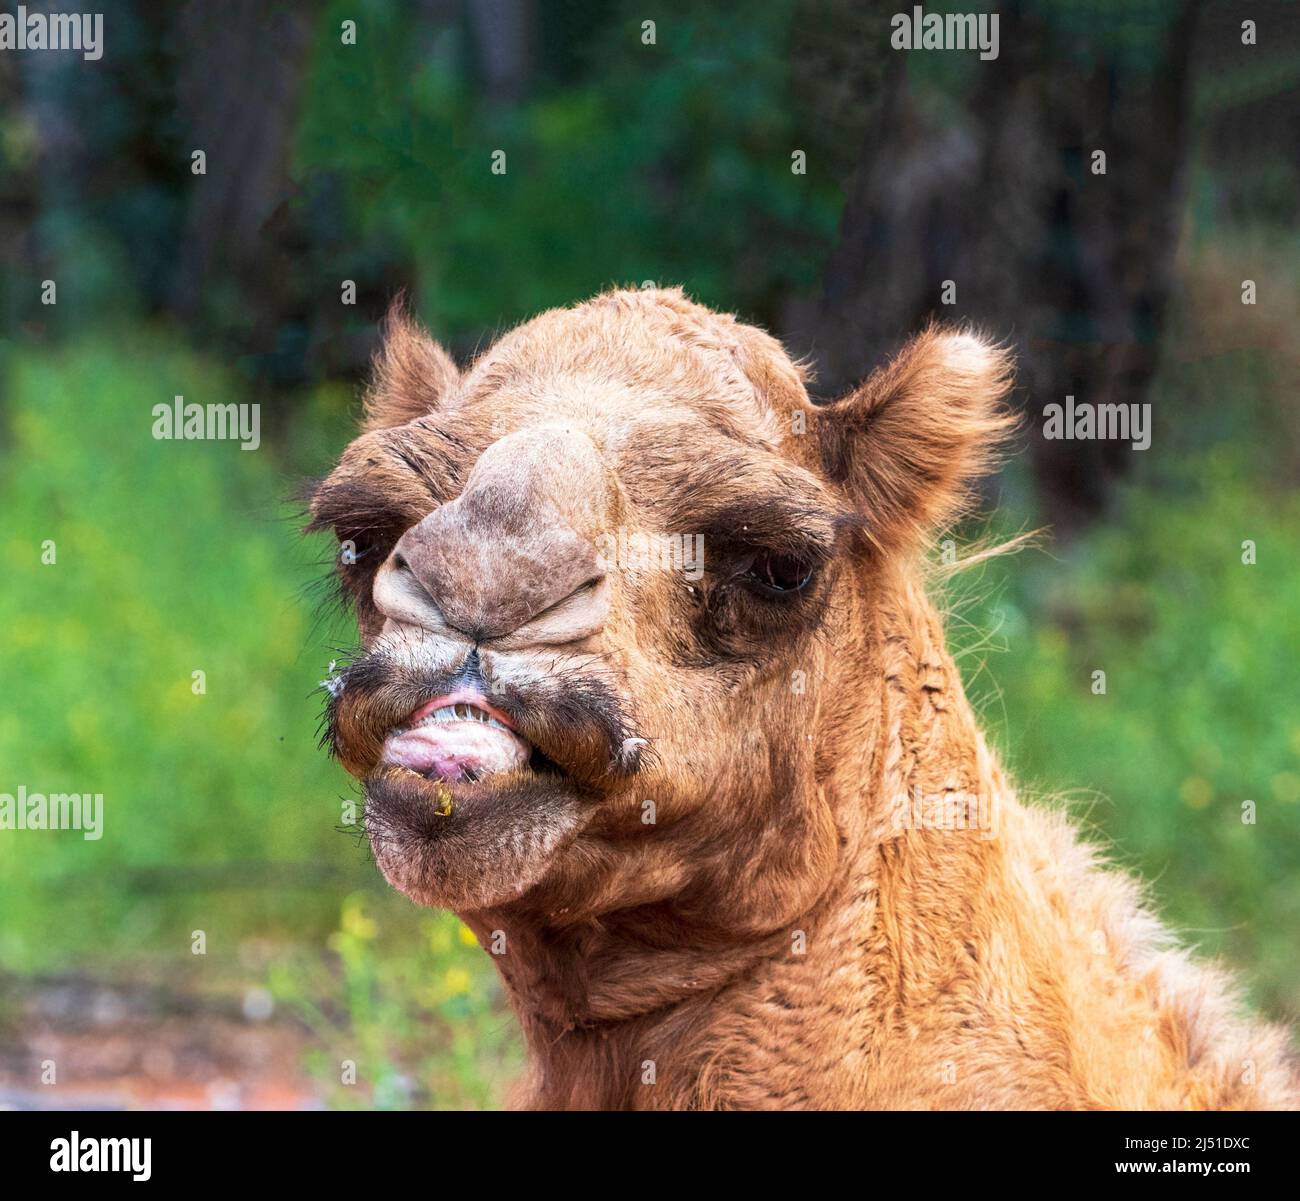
412 374
908 443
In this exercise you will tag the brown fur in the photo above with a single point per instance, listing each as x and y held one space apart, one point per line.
840 901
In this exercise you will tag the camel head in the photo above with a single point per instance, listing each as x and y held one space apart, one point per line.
614 586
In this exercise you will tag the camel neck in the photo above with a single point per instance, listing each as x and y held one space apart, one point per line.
613 1007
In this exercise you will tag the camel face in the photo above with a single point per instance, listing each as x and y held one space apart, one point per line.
607 583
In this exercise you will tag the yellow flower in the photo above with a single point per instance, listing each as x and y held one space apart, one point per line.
355 922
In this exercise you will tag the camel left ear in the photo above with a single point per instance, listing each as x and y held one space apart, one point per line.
412 375
908 443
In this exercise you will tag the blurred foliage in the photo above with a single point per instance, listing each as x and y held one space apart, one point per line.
1198 715
164 549
419 1016
668 162
219 813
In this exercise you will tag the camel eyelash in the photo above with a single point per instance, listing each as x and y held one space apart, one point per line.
736 546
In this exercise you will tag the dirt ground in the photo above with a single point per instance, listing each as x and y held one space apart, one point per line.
69 1042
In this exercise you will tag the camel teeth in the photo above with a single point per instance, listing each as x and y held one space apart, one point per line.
458 712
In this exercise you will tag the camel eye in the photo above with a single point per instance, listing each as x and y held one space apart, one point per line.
773 574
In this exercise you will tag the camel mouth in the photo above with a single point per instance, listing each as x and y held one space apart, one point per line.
456 737
462 810
387 719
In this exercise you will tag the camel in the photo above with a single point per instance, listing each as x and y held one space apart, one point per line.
736 840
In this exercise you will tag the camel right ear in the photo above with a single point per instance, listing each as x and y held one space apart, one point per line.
908 443
412 374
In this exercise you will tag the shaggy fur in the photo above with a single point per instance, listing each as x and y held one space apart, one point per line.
765 858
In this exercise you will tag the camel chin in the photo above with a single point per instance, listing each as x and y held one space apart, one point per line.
468 845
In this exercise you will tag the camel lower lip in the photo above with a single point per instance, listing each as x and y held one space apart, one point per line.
456 737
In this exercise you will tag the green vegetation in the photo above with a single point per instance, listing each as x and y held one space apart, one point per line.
1199 651
669 163
171 558
418 1011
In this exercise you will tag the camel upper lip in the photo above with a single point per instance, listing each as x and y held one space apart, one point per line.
577 741
460 696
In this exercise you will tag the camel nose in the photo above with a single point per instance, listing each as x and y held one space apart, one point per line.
515 552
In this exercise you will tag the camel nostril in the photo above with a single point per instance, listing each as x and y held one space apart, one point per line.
400 563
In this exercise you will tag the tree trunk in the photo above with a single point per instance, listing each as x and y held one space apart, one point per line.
1070 265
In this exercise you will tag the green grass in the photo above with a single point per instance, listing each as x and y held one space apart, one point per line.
172 558
1198 715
